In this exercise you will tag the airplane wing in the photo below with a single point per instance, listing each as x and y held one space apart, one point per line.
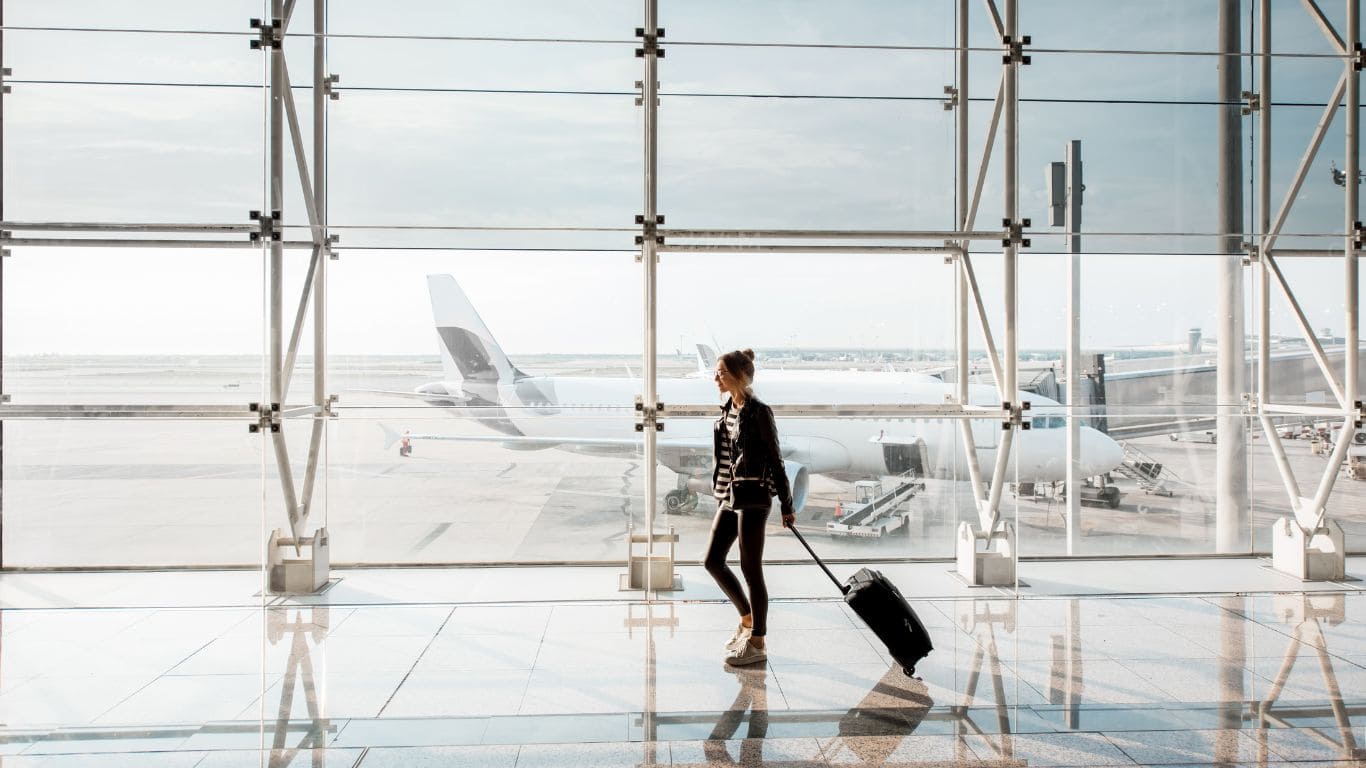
423 396
595 445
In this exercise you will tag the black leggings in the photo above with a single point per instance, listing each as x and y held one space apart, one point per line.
748 525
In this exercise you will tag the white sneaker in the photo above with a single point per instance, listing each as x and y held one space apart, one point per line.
745 655
741 636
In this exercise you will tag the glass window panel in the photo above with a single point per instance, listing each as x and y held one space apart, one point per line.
219 16
189 58
602 19
132 154
120 325
1114 25
121 492
876 23
481 160
499 496
481 501
404 64
801 165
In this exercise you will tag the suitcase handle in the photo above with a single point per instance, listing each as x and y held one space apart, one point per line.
844 590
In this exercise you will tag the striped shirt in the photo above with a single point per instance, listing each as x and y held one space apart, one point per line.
726 462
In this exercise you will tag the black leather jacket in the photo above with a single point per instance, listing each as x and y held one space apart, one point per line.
758 471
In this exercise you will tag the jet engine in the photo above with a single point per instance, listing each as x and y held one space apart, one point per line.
797 480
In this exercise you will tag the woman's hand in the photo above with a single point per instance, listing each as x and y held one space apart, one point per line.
788 519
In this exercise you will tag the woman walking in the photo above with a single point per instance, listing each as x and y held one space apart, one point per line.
749 471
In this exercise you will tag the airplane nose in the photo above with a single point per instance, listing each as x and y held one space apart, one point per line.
1099 453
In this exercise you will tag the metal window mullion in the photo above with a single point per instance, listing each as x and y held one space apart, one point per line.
55 242
832 234
92 226
1352 218
830 249
962 221
650 260
320 100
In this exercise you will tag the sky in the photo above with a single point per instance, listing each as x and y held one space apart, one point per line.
400 157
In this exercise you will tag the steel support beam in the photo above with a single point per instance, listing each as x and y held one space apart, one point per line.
1232 513
1313 548
996 565
650 260
1072 225
963 222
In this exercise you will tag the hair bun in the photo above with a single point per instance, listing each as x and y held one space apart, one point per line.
749 353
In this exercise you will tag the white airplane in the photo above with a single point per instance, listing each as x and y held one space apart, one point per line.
588 415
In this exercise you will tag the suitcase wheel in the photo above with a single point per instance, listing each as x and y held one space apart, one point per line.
910 671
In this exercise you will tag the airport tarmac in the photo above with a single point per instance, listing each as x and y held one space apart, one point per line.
158 492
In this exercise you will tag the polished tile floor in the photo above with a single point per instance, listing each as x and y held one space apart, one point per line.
1268 678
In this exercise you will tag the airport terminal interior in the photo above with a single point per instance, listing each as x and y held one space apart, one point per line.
362 373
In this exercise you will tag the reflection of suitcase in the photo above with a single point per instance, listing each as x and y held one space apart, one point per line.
879 603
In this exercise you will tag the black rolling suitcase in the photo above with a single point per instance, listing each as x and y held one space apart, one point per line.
879 603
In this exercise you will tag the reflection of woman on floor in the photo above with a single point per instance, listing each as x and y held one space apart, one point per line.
752 697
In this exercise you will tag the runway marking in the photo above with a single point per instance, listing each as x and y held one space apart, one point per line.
431 537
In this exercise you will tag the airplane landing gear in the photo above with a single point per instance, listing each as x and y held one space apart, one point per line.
680 501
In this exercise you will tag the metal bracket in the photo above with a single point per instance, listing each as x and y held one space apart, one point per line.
1358 236
1358 58
270 35
648 415
1015 415
328 407
1252 101
268 419
649 229
6 72
271 226
331 241
1015 232
651 47
952 100
640 86
329 87
1016 53
1251 253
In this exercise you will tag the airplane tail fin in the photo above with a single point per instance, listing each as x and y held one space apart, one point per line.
391 436
706 359
469 352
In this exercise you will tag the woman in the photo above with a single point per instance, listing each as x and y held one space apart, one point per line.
749 469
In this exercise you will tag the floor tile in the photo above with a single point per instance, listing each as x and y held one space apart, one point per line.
1161 747
588 755
173 700
584 690
303 758
440 757
440 693
412 732
748 753
917 749
1050 749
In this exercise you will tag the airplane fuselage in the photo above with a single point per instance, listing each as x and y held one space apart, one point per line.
592 407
